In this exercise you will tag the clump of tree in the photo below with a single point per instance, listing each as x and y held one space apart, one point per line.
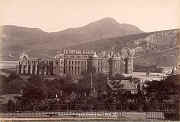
46 94
11 84
157 92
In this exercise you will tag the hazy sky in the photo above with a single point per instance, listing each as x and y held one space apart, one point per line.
56 15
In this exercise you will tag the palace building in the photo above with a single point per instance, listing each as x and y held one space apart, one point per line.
77 62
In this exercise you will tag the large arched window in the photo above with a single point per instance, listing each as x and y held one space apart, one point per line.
24 60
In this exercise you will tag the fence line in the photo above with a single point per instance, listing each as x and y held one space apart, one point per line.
115 115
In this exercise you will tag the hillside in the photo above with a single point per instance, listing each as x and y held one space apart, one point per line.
16 39
154 48
101 29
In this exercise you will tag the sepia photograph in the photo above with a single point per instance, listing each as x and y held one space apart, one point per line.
89 60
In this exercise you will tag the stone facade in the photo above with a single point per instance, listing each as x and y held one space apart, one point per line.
34 66
77 62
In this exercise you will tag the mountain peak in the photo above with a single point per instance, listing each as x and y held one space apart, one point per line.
108 19
104 21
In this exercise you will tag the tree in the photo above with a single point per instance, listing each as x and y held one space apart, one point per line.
98 81
12 84
54 87
34 92
3 83
158 91
11 106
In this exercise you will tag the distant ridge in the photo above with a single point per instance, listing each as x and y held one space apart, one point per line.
128 40
16 39
152 48
104 28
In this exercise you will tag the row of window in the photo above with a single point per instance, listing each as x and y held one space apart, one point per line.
75 62
34 62
74 69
